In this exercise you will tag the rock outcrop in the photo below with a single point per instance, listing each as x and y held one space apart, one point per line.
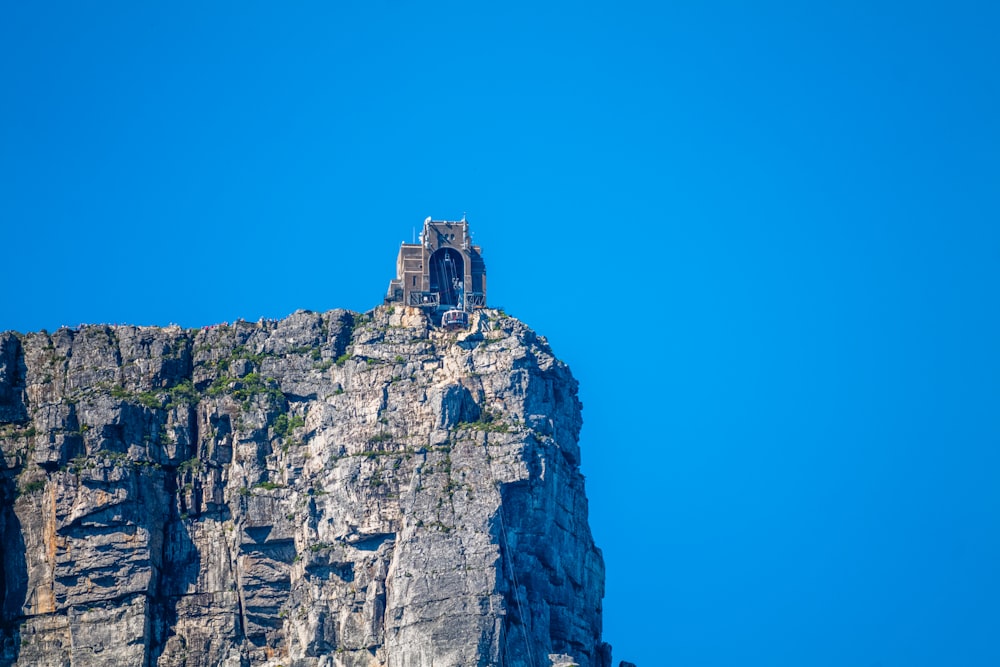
328 489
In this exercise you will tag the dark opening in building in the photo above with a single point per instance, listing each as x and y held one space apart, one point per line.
446 272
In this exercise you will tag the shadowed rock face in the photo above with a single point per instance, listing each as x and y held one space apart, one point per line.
328 489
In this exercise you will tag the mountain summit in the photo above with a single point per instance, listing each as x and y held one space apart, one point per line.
327 489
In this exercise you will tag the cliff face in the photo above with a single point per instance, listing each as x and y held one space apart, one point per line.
328 489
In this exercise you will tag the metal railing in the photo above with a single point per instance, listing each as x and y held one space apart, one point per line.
424 299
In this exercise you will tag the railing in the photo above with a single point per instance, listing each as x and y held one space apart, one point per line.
475 300
424 299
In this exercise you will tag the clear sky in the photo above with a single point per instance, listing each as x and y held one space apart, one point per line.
764 235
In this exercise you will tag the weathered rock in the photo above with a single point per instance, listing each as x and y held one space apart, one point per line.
328 489
12 378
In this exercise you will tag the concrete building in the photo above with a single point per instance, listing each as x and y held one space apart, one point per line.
443 272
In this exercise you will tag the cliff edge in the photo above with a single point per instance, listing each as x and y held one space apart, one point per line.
327 489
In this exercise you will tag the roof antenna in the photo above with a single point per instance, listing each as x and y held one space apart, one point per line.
463 216
413 239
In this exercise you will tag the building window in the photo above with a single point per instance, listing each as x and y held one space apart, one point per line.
414 281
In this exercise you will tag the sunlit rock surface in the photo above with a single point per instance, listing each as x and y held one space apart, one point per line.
327 489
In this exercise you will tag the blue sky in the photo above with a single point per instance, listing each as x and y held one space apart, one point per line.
764 236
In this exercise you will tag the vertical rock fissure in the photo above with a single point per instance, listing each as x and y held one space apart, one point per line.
13 573
517 593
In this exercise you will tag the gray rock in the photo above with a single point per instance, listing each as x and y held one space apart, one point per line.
328 489
12 379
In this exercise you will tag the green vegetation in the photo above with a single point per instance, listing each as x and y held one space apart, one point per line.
491 427
441 526
32 487
246 387
242 352
252 384
219 386
284 424
149 399
13 431
116 458
359 322
182 393
79 464
488 421
342 359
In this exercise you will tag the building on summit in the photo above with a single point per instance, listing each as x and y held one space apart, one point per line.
444 273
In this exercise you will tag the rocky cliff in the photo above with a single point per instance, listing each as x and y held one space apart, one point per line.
328 489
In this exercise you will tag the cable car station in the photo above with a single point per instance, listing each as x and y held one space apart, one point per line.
444 274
